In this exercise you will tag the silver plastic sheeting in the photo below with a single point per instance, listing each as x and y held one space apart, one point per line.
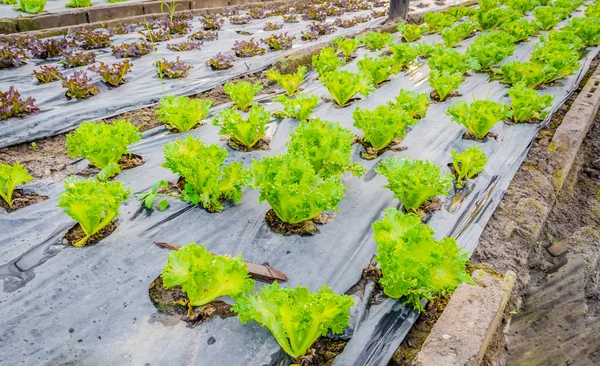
91 305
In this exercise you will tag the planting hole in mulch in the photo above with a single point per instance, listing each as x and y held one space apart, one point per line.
490 135
21 200
335 105
128 161
428 208
370 153
174 301
76 233
304 228
235 144
436 98
322 352
533 121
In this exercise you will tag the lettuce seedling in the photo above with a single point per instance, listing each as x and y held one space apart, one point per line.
47 74
376 41
89 39
327 146
48 48
531 73
257 12
468 164
76 59
185 46
521 29
103 144
242 93
92 203
414 181
132 49
270 26
480 116
345 23
548 16
172 69
112 75
289 82
449 59
221 61
438 21
299 107
78 3
415 104
412 32
522 6
10 178
239 19
403 55
11 104
453 36
290 18
207 180
204 276
158 35
245 132
78 86
278 42
182 113
559 57
444 82
346 46
204 36
382 125
413 264
379 68
527 104
295 317
493 17
326 61
294 190
211 22
343 85
490 49
247 48
30 6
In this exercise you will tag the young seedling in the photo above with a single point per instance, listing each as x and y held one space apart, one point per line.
380 69
299 107
78 86
444 83
326 61
47 74
412 32
112 75
182 113
376 41
346 46
243 133
478 117
10 177
468 164
289 82
343 85
413 103
527 105
11 104
242 93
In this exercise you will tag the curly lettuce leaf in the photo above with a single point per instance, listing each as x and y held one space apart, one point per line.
181 114
468 163
10 177
242 92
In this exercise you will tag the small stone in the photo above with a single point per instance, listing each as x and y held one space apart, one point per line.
558 247
447 336
71 330
211 340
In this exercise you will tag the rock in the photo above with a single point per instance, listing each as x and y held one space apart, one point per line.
558 247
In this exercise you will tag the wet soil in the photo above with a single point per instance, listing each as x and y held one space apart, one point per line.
76 233
21 199
276 225
322 352
173 301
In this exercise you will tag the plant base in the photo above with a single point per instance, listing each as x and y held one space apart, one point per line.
370 153
76 233
322 352
436 97
276 225
173 301
469 136
21 200
533 121
128 161
237 145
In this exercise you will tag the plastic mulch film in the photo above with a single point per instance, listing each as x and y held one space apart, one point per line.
91 305
52 6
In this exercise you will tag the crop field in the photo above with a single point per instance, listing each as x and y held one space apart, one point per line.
306 215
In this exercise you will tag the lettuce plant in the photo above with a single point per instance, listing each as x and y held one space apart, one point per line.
530 73
48 48
78 3
11 104
403 55
89 39
47 74
415 104
221 61
468 164
207 180
204 276
438 21
122 28
257 12
185 46
375 41
294 190
289 82
278 42
132 49
412 32
379 68
522 6
326 61
315 30
327 146
158 35
548 16
346 46
242 93
247 48
559 57
314 13
30 6
172 69
182 113
295 317
245 132
382 125
77 59
527 104
92 203
444 83
449 59
521 29
299 107
493 17
414 181
112 75
345 23
10 177
490 49
343 85
414 265
270 26
290 18
478 117
78 86
240 19
211 22
378 13
453 36
103 144
11 57
204 36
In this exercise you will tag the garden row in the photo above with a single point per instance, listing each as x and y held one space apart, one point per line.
308 180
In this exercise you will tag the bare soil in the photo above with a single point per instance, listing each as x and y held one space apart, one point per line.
21 199
76 233
276 225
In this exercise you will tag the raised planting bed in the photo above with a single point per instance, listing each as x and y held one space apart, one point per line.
224 212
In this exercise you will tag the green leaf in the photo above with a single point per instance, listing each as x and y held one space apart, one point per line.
346 45
468 164
326 61
478 117
242 93
379 68
375 41
412 32
383 124
490 49
183 113
300 107
289 82
10 177
247 131
527 104
343 85
444 82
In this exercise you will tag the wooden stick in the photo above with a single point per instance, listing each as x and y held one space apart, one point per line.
261 272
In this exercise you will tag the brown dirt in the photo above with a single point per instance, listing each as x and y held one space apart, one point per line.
276 225
436 98
322 352
128 161
174 301
490 135
76 233
21 200
235 144
370 153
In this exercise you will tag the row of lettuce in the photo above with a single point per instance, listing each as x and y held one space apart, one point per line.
306 181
